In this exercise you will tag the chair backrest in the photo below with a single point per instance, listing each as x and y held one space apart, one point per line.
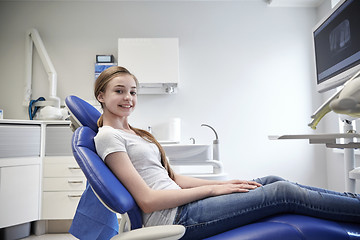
104 183
82 113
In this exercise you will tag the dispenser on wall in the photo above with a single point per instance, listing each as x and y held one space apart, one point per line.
154 62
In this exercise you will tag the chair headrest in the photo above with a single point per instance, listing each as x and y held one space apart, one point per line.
102 180
83 113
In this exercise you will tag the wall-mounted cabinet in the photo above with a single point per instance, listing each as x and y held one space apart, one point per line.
154 62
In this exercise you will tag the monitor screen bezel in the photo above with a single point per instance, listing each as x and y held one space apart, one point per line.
340 78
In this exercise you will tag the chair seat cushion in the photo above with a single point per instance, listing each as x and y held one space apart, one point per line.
293 227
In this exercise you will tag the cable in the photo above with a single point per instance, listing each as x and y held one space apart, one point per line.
33 110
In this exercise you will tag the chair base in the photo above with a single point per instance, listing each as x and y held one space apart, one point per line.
295 227
166 232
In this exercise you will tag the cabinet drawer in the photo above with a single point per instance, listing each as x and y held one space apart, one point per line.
58 140
60 205
19 141
62 170
59 160
64 184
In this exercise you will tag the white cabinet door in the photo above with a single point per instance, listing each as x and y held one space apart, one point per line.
60 205
19 194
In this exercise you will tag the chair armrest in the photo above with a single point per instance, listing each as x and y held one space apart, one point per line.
165 232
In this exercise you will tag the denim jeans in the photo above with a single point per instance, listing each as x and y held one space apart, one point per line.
214 215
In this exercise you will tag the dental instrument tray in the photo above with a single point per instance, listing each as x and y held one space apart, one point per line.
329 139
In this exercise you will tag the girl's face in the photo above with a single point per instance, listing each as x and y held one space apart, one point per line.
120 96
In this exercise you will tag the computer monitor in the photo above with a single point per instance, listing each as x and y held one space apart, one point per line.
336 40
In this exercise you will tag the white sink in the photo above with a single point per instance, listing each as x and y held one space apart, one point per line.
188 152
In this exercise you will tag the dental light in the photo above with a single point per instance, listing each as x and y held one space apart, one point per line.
52 103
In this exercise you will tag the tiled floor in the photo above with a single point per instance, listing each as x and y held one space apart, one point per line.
51 237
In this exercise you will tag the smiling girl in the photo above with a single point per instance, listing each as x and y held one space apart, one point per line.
204 207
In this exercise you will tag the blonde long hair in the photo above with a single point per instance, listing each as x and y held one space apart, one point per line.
100 86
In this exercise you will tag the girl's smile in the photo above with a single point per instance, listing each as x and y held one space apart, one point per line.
119 98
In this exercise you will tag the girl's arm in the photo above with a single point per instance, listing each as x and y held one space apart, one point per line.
190 182
150 200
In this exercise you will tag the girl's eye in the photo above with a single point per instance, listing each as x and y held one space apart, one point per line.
118 91
133 93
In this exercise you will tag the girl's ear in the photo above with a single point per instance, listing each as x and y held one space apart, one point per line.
100 97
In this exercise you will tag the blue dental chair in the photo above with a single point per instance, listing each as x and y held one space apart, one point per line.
113 194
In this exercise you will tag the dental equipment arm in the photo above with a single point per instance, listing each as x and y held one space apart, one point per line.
348 101
33 37
322 111
345 101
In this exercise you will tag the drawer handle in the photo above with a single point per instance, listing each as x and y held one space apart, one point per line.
72 168
75 181
74 195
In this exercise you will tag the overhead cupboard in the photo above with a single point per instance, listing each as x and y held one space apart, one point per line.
154 62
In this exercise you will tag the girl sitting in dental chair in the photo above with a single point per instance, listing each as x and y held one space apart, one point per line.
204 207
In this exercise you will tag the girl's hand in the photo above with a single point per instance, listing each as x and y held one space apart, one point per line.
236 181
233 186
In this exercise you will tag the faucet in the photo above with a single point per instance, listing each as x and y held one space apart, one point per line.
216 155
216 135
149 129
193 140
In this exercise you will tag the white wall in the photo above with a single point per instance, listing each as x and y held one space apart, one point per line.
245 68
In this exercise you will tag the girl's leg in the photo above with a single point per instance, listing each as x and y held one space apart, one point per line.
349 194
218 214
272 179
268 180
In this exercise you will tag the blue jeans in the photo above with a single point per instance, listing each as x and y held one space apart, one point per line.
214 215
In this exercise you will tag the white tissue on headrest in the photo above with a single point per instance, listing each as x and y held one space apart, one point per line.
50 113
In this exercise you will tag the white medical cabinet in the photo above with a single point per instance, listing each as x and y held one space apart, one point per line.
39 177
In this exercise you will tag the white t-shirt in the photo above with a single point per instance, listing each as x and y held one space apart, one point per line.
146 159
